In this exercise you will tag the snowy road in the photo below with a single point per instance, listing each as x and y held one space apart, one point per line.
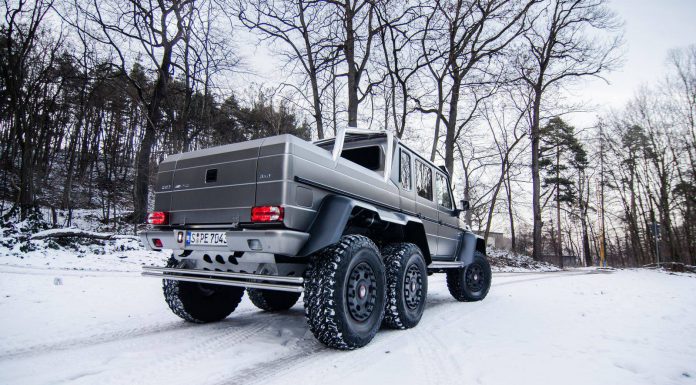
579 327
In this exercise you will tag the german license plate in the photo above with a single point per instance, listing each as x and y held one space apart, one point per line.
208 238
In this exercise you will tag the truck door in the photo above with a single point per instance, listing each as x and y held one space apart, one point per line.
448 232
425 204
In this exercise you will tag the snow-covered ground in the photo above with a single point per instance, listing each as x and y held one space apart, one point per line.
575 327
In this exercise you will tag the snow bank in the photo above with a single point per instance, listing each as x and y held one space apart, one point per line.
31 243
509 261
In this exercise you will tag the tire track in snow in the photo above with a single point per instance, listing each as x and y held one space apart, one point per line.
93 340
300 357
304 352
101 338
314 354
270 369
547 276
212 345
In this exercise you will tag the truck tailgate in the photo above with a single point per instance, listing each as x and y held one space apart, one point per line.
211 186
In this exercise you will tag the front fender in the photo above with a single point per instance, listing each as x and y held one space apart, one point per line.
469 243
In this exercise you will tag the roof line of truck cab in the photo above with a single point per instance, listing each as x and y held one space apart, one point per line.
347 135
357 134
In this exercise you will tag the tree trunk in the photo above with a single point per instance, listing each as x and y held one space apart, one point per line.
353 75
26 176
583 220
438 121
504 164
317 107
451 125
491 208
141 187
559 241
316 101
508 191
536 182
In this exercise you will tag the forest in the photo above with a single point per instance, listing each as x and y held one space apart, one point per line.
94 94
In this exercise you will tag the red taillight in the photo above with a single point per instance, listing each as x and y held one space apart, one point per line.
157 242
267 214
158 218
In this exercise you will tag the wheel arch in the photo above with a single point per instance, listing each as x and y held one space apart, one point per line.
415 233
336 211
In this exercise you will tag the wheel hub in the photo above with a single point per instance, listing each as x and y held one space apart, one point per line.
362 292
474 278
413 287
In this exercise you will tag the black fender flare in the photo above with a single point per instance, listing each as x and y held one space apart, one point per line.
468 244
333 215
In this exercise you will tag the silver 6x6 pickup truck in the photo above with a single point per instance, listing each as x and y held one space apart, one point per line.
357 222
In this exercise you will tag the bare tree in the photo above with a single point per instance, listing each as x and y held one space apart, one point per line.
154 29
507 135
25 71
680 89
302 27
354 26
401 59
466 38
563 44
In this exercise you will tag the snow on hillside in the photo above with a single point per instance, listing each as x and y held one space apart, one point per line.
509 261
28 244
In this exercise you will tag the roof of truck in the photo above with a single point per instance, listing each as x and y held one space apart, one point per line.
216 150
355 134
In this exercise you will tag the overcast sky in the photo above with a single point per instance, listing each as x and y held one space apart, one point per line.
651 29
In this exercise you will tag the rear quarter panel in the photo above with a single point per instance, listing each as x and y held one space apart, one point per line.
290 157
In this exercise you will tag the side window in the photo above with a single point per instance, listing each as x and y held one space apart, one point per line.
443 193
424 180
405 170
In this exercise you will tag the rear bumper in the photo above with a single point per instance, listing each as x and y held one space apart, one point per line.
282 242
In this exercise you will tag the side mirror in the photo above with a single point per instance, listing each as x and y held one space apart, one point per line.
463 206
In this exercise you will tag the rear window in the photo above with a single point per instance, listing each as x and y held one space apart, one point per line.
368 157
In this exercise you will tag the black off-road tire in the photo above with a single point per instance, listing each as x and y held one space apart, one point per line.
407 285
472 282
200 302
272 300
345 293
